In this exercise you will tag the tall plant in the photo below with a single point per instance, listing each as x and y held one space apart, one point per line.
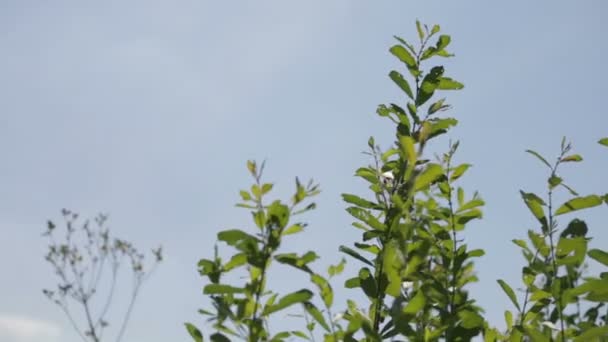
414 262
560 301
416 277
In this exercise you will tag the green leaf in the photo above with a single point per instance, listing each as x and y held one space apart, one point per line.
599 256
603 141
535 204
403 55
443 42
470 319
278 214
402 83
327 294
572 158
296 228
437 106
219 337
458 171
579 203
235 236
415 304
367 174
237 260
300 296
334 270
368 283
429 84
520 243
367 217
446 83
430 174
476 253
435 29
293 260
510 293
316 314
266 187
509 319
541 158
354 254
470 205
575 228
419 29
592 333
194 332
406 144
358 201
245 195
554 181
213 289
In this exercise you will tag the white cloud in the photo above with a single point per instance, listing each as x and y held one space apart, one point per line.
24 329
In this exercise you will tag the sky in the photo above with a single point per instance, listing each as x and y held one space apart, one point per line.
148 110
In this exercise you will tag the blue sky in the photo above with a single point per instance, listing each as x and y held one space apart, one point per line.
148 110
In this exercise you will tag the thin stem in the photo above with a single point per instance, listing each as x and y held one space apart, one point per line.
92 331
130 309
65 309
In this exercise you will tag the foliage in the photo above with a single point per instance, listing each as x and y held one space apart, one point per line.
561 302
414 264
80 260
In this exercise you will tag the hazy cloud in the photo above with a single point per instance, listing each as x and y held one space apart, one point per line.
24 329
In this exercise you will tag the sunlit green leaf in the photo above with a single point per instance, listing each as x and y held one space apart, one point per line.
603 141
194 332
535 204
599 256
446 83
403 55
509 291
368 283
354 254
458 171
592 333
572 158
296 228
358 201
402 83
237 260
327 294
316 314
300 296
430 174
429 84
221 289
579 203
470 205
419 29
541 158
334 270
415 304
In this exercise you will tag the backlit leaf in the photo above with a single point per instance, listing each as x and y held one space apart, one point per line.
541 158
509 291
415 304
402 83
194 332
599 255
430 174
579 203
300 296
354 254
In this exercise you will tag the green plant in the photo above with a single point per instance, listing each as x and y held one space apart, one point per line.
81 260
560 301
415 264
